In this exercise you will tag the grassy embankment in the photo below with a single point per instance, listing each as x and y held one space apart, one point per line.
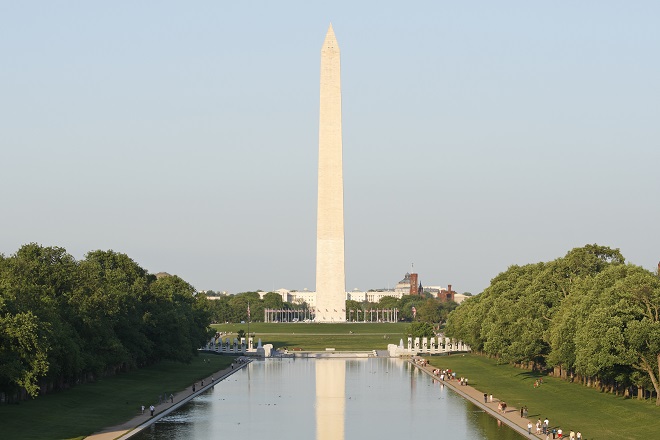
88 408
572 406
313 336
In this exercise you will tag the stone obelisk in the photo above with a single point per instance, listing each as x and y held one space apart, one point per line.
330 277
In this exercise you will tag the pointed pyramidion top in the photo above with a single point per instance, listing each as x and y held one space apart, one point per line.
330 42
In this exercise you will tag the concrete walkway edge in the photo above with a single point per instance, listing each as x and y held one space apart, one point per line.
138 423
182 402
512 424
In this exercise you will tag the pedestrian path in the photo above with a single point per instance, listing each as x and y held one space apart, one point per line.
511 416
138 423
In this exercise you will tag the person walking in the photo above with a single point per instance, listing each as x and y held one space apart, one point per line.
142 409
529 427
485 398
152 409
171 398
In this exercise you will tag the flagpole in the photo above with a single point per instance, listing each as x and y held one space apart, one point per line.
248 337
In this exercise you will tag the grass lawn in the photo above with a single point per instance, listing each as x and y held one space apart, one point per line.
318 336
88 408
572 406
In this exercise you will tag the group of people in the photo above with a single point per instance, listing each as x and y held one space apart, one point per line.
151 409
544 428
448 375
541 427
162 398
212 381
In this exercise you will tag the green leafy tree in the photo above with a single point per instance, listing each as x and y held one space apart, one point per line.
354 306
23 352
582 262
406 304
464 323
421 330
38 281
435 311
388 302
238 308
273 300
62 320
220 309
617 319
179 319
512 318
109 309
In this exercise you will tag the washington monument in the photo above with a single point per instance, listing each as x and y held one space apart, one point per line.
330 277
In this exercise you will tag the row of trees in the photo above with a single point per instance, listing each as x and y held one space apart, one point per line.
427 308
588 314
233 308
64 321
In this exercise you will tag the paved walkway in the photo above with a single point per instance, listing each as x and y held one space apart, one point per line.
511 417
138 423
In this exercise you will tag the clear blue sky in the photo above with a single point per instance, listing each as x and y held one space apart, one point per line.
476 135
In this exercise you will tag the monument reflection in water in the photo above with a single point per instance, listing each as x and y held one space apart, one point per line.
328 399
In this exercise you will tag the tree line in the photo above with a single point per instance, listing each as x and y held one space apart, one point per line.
589 316
426 308
64 321
233 308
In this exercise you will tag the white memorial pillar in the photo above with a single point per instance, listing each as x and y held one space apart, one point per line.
330 275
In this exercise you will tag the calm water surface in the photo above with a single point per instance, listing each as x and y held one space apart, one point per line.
329 399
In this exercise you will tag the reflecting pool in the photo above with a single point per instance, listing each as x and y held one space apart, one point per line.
329 399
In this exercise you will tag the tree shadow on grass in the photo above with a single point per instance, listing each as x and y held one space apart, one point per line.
280 344
529 375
